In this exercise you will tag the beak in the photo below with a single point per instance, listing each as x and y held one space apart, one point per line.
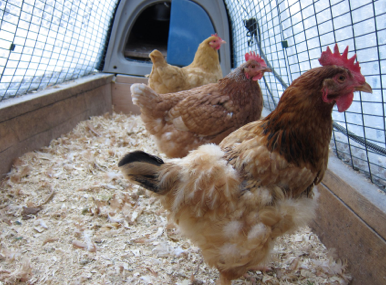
223 42
365 87
266 69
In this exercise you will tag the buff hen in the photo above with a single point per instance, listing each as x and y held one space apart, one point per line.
205 68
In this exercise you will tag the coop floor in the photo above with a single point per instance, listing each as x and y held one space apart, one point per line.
67 216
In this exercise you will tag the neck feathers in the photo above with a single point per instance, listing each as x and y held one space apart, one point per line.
239 87
300 128
206 57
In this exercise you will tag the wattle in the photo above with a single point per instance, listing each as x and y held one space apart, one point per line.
257 77
344 101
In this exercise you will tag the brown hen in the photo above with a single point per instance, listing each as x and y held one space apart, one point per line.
234 199
184 120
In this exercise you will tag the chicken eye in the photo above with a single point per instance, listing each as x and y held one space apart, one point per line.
253 66
341 78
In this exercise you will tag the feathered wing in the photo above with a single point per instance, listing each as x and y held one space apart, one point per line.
246 149
206 112
199 76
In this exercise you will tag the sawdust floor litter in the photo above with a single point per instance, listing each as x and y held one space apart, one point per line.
67 216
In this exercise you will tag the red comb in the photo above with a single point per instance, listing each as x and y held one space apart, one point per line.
255 56
329 58
215 35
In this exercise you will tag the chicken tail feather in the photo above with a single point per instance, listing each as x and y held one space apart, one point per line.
143 96
142 169
157 57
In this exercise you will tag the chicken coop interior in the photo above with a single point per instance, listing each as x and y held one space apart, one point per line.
68 215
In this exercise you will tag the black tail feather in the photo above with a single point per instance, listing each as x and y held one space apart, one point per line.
140 156
142 168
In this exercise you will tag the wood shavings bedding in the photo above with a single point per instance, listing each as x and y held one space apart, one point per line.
67 216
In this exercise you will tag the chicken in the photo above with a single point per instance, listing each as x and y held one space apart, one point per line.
205 68
233 199
184 120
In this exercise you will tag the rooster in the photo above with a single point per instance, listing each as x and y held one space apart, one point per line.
233 199
184 120
205 68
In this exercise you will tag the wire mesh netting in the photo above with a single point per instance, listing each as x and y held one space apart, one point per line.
291 34
47 42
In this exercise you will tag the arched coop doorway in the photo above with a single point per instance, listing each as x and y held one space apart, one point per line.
175 28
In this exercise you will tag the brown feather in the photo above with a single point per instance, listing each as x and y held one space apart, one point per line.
184 120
